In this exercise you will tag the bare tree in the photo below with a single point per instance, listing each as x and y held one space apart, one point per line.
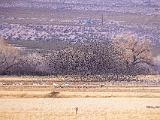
8 56
90 57
134 51
33 63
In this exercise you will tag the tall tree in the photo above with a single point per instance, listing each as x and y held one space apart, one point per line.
8 56
134 51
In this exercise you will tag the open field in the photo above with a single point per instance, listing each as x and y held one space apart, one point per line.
67 77
76 86
69 94
95 101
75 81
71 37
88 109
50 88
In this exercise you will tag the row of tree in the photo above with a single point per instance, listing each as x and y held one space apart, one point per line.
124 54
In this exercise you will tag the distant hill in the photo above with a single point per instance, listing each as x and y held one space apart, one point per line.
33 19
31 3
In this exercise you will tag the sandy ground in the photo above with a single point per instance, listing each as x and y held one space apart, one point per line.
88 109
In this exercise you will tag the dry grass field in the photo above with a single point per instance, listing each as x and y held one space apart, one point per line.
107 103
26 78
62 78
88 109
148 77
49 94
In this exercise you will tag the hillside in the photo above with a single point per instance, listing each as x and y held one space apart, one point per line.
45 23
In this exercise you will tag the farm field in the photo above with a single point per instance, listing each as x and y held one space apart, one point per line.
67 77
94 101
76 86
88 109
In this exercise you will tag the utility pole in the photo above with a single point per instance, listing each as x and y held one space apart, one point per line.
149 2
102 19
62 3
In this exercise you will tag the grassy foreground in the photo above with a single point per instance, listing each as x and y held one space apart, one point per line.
41 94
88 109
106 103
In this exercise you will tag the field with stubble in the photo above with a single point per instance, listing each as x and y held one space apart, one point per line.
56 98
88 109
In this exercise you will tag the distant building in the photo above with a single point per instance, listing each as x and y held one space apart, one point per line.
86 21
147 2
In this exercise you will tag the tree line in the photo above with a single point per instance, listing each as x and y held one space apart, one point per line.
124 54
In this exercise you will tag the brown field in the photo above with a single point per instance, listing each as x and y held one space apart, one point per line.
26 78
148 77
62 78
88 109
106 103
49 94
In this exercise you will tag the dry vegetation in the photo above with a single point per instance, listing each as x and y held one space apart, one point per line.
88 108
49 103
148 77
28 78
51 91
67 77
65 94
99 89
